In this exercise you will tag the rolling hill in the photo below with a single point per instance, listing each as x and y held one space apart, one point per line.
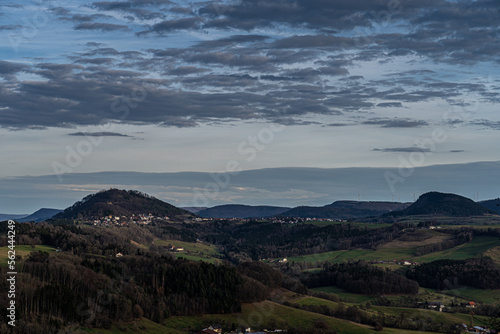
375 206
194 209
40 215
492 204
241 211
120 203
345 210
443 204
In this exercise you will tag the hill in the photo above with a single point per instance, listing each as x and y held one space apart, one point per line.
345 210
7 216
194 209
443 204
241 211
40 215
492 204
381 207
120 203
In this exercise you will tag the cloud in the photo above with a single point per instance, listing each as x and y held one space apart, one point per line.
187 70
494 125
57 71
229 59
88 98
8 68
134 9
98 134
10 27
310 73
390 105
248 14
96 61
396 123
299 186
232 40
172 25
402 149
80 19
228 67
120 5
318 41
101 26
336 125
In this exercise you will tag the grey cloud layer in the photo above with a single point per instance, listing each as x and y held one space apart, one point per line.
279 186
301 65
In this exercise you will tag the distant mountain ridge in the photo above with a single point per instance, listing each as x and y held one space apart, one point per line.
126 203
492 204
7 216
369 205
117 202
40 215
241 211
194 209
345 210
443 204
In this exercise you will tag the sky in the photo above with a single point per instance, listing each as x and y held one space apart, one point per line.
168 87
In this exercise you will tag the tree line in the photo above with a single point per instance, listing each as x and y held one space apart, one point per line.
360 277
482 273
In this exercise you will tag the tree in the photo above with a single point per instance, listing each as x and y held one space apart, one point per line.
320 324
137 311
494 319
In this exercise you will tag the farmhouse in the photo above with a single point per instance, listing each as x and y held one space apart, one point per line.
438 306
471 304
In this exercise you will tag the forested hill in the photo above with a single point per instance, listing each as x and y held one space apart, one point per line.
120 203
242 211
345 210
327 212
442 204
492 204
338 209
40 215
381 207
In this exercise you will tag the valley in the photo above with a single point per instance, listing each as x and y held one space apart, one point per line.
182 274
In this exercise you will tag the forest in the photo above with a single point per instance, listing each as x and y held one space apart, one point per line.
84 282
481 273
260 239
360 277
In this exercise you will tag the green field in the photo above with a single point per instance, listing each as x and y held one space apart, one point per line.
439 317
271 315
479 227
23 251
345 295
478 295
424 294
387 254
474 248
143 326
353 224
462 221
494 253
461 252
266 314
193 251
256 315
